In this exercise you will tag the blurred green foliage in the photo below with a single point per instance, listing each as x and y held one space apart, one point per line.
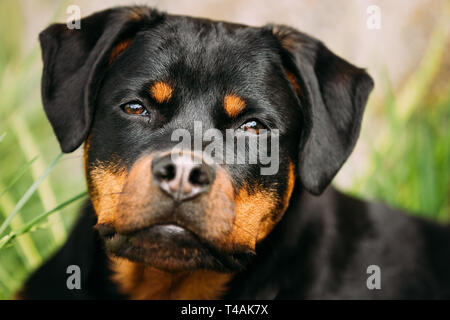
27 148
409 154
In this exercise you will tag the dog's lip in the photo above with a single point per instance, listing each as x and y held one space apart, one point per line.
171 228
153 234
172 233
168 232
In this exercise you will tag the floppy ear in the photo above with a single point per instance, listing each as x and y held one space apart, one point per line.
74 63
336 93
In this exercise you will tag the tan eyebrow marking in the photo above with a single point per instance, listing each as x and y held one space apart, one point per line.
118 49
161 91
233 104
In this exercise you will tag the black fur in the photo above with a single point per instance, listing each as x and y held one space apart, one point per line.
324 243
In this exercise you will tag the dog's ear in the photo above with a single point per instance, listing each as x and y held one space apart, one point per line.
335 92
74 63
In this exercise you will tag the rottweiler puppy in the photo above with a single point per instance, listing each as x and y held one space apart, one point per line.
188 227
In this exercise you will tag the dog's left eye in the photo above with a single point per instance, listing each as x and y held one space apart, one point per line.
135 109
253 126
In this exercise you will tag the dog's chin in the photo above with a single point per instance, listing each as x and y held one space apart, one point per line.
170 248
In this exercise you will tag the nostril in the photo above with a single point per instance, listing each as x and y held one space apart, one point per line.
199 177
166 172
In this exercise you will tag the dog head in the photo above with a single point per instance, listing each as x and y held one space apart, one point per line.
131 77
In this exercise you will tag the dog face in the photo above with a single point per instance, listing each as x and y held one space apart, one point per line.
131 77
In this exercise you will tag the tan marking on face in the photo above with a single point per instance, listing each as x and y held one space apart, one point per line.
219 207
270 222
233 105
257 212
105 184
251 208
138 195
118 49
293 82
161 91
142 282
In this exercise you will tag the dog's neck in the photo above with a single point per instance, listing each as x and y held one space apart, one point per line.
138 281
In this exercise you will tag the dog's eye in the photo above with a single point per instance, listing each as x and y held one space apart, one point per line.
135 109
253 126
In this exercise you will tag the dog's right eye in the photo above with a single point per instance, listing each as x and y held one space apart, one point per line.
253 126
135 109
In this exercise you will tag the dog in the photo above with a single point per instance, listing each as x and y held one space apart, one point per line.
162 227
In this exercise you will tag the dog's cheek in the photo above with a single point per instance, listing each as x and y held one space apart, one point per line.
139 197
258 210
290 182
105 186
269 221
105 181
253 210
219 207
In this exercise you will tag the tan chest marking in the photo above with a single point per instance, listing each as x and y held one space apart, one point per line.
142 282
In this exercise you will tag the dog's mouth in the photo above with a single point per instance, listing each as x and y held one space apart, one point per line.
170 247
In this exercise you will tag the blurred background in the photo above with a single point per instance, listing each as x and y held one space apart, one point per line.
402 157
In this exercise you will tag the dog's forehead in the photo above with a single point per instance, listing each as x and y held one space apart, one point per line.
182 47
202 34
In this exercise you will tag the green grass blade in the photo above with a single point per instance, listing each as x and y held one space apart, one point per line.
28 194
26 249
19 175
29 147
2 136
7 280
37 220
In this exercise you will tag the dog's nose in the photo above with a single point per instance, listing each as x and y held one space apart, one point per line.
182 177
